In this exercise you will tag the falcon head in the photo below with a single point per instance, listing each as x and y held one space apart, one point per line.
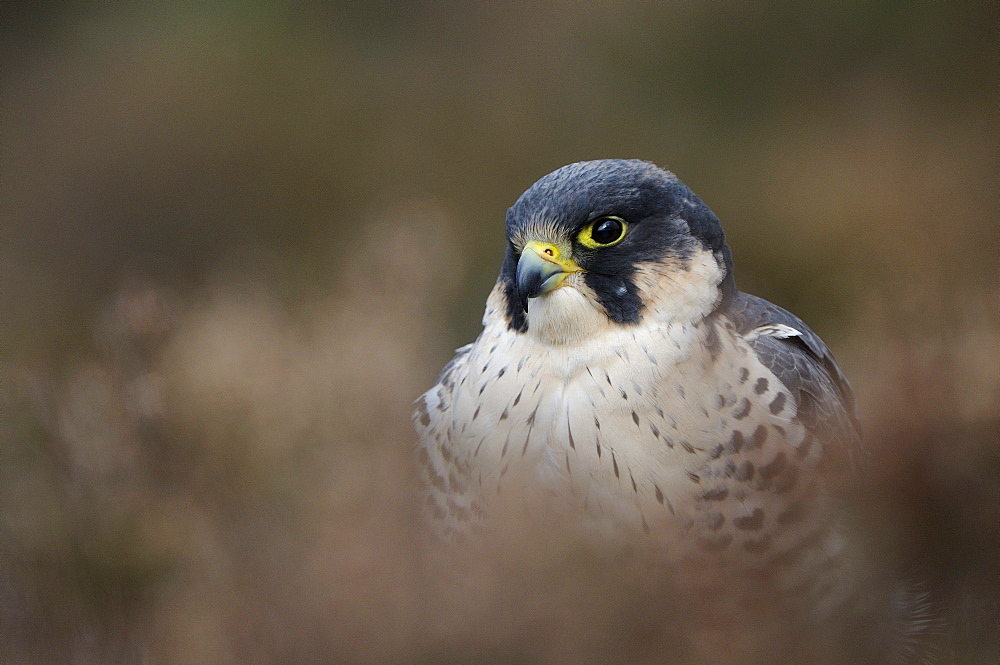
609 243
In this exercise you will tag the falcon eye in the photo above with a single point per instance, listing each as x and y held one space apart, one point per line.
602 232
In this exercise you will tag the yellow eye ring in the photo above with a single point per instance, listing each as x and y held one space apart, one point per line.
602 232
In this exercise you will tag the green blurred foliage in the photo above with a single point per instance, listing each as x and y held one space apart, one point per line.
174 132
207 209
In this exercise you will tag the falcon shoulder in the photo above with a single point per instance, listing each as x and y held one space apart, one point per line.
802 361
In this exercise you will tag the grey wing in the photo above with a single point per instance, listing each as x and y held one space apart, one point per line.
446 508
800 359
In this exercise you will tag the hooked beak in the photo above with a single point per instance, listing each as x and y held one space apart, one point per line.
540 270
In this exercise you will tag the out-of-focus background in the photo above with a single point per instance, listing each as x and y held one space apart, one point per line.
238 239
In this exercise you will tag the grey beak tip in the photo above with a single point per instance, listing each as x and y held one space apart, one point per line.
534 277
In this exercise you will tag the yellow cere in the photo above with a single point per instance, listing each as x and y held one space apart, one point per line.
552 254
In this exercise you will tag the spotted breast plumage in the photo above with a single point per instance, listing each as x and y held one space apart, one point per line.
622 377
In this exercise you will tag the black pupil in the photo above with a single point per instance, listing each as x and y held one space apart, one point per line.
607 232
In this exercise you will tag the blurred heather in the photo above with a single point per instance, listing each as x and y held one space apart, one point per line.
238 239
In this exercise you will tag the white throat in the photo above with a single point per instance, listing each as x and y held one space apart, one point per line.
566 316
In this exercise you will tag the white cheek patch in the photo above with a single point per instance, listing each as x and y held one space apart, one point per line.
672 292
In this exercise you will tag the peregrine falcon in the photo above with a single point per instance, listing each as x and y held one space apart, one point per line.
622 375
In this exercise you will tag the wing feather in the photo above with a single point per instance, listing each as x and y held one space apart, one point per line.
800 359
